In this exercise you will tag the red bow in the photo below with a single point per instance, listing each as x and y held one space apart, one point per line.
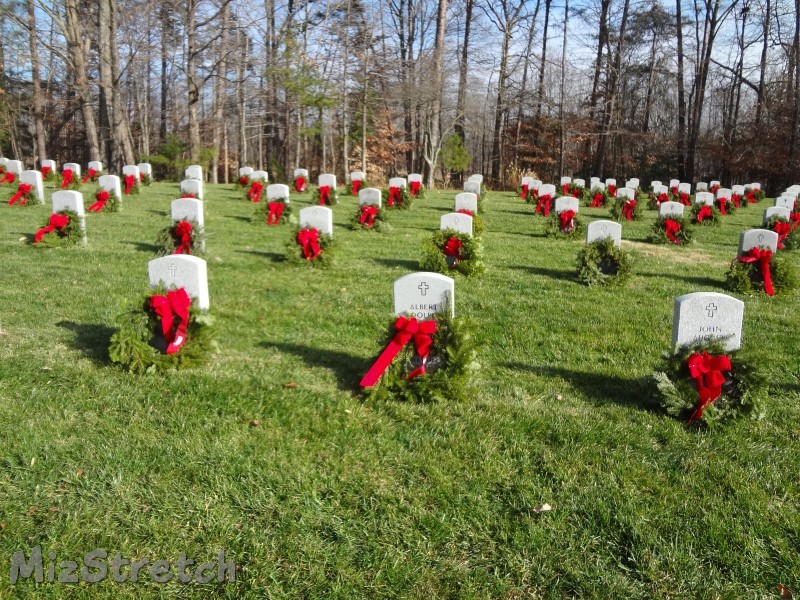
565 189
356 186
45 171
674 190
612 189
407 329
324 195
394 196
102 198
627 209
567 220
175 304
751 197
544 204
130 183
453 248
299 184
415 187
576 193
763 257
714 189
783 229
56 222
524 192
309 240
22 192
597 200
794 218
705 213
187 195
368 214
255 191
464 211
275 212
683 198
141 176
723 203
66 179
183 231
736 199
671 228
244 180
91 174
8 178
706 370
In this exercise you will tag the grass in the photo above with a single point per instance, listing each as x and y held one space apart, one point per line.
333 496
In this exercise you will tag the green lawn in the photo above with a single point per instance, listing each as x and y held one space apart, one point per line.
329 495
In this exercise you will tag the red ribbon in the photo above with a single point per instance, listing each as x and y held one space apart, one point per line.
141 176
356 187
130 182
8 178
567 219
255 191
394 196
674 190
67 178
714 189
627 209
763 257
705 213
174 305
662 198
275 212
543 206
187 195
683 198
22 192
612 189
407 329
565 189
324 195
576 193
706 370
309 240
464 211
597 200
524 192
90 175
453 248
794 219
671 228
299 184
244 180
415 187
736 199
751 197
783 229
45 171
56 222
102 197
723 203
183 231
368 214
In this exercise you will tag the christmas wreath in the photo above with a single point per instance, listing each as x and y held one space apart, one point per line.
704 384
416 189
91 175
725 206
105 201
131 183
629 209
684 198
523 191
788 232
275 212
370 217
310 247
449 250
61 230
424 361
544 204
145 178
183 237
24 196
603 263
255 191
761 270
47 174
654 200
326 196
671 229
566 224
69 181
598 199
397 197
702 214
576 191
532 197
477 223
738 201
754 195
299 184
164 331
243 182
355 186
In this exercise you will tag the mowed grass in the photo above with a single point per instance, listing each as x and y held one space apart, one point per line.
333 496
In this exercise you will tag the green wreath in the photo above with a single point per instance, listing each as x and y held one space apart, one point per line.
757 195
583 193
135 190
138 345
746 278
296 257
730 207
348 189
606 200
334 197
603 263
449 367
619 203
168 239
261 212
743 393
422 194
146 179
531 198
659 231
75 185
29 199
470 253
553 227
380 222
113 204
70 235
406 199
792 240
712 220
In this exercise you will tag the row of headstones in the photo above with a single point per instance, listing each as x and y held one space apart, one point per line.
633 184
109 183
15 166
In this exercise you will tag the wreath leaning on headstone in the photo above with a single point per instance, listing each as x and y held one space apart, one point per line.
104 201
131 185
671 229
417 189
759 270
567 223
396 197
308 246
654 200
161 332
424 361
449 250
275 212
69 180
704 384
629 209
702 214
370 217
25 196
326 196
182 237
788 232
603 263
62 229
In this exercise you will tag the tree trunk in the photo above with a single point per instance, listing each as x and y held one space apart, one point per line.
763 74
36 88
192 81
543 60
436 109
121 127
165 27
77 46
563 80
219 93
499 111
681 146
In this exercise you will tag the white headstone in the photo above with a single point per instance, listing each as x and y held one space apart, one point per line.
701 186
477 177
526 180
473 187
276 191
188 209
74 167
369 196
357 176
145 169
724 193
3 161
535 184
598 186
685 188
547 189
566 180
755 186
422 295
194 172
467 201
673 183
33 178
600 230
131 170
96 165
757 238
793 190
706 198
181 271
611 182
707 315
738 190
261 176
192 186
594 180
714 183
458 221
414 177
301 173
579 182
566 203
49 163
633 182
15 166
398 182
317 217
670 209
327 179
626 192
655 184
111 184
70 200
785 202
245 171
776 211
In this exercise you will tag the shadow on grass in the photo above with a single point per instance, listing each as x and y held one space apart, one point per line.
160 213
271 256
241 218
552 273
348 369
92 339
412 265
142 247
529 213
705 281
599 388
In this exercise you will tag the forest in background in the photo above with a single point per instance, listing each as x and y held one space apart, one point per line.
699 90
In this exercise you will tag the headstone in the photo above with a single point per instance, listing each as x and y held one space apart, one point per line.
301 173
633 182
70 200
458 221
473 187
660 189
467 201
14 166
245 171
74 167
194 172
626 192
276 191
774 211
701 186
757 238
673 183
33 178
96 165
535 185
398 182
414 177
755 186
654 185
526 181
547 189
685 188
146 169
369 196
706 315
714 184
793 190
600 230
670 209
566 203
181 271
317 217
785 202
357 176
723 193
611 182
188 209
706 198
327 179
111 184
477 177
566 180
3 161
593 181
598 186
131 170
422 295
261 176
192 186
579 182
49 163
738 190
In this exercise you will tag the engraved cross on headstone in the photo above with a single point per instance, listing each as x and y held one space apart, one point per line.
423 288
173 270
711 308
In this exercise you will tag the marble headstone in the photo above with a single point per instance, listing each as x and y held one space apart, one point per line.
398 182
70 200
145 169
476 177
458 221
671 209
96 165
467 201
706 198
473 187
422 295
327 179
600 230
278 191
565 180
192 186
245 171
317 217
701 186
566 203
131 170
370 196
181 271
261 176
301 173
188 209
654 185
34 178
706 315
194 172
785 202
74 167
757 238
776 211
111 184
357 176
579 182
414 177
